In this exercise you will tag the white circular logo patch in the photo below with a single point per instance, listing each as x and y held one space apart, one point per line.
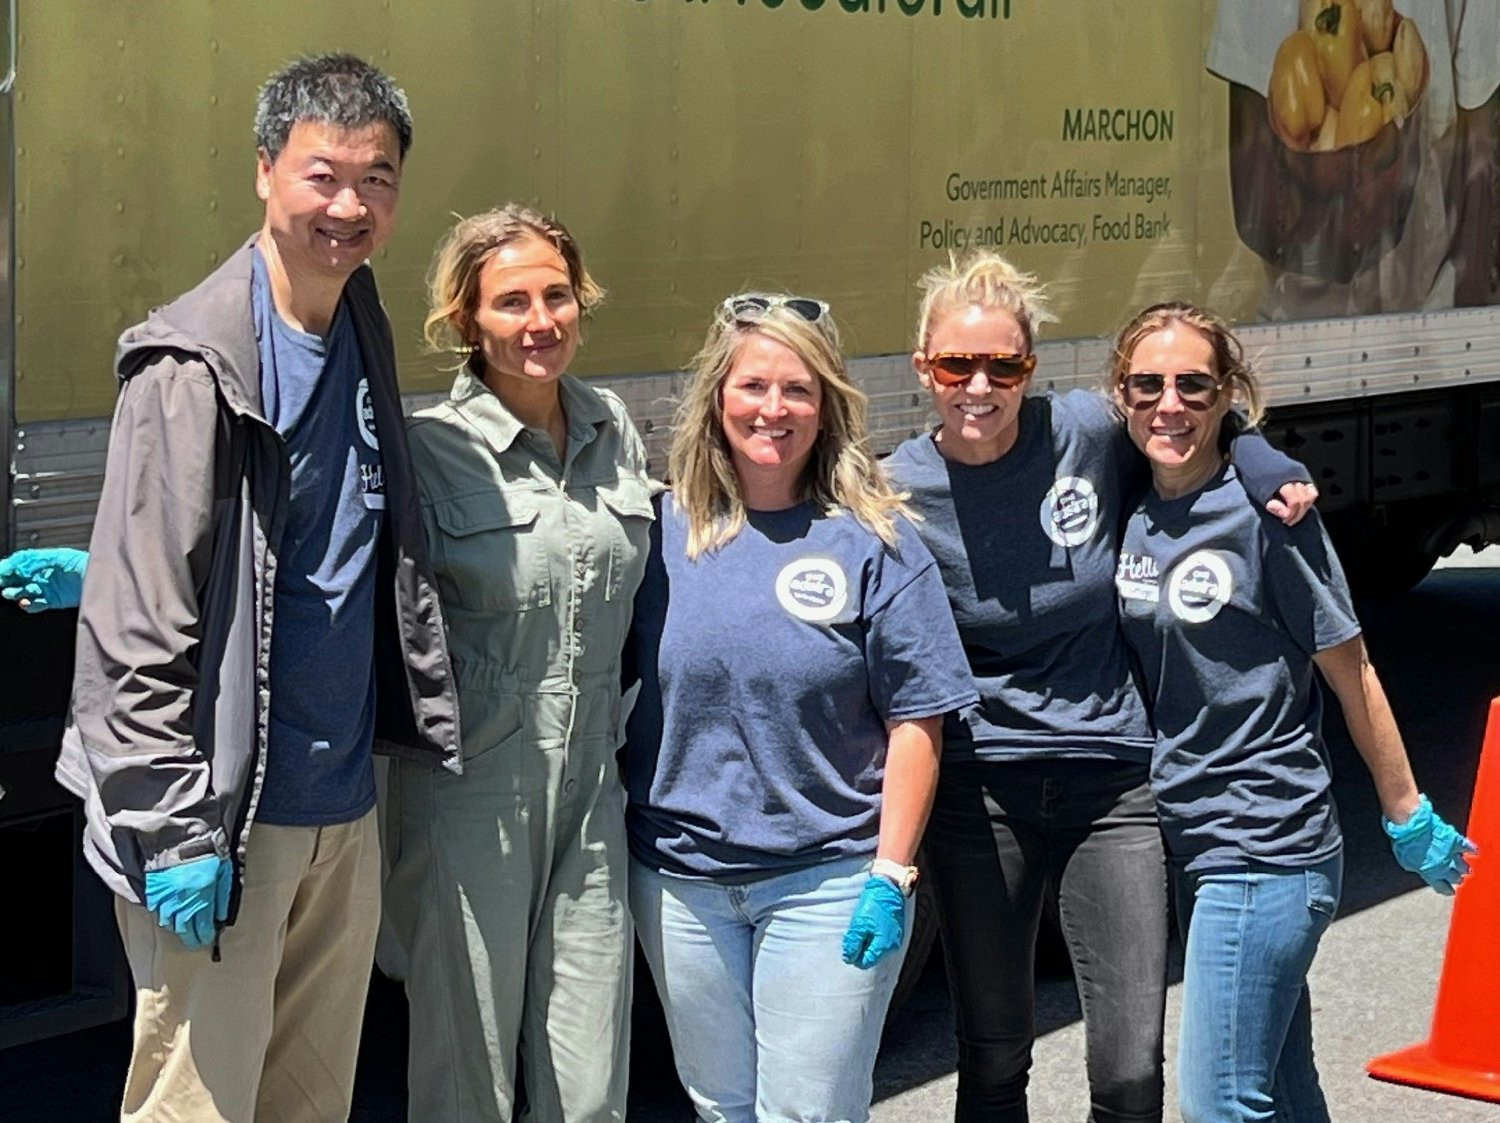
1199 587
364 413
813 589
1070 511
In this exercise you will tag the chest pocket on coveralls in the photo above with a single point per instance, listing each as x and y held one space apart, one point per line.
630 502
492 557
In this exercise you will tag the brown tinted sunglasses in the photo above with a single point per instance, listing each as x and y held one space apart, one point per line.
953 368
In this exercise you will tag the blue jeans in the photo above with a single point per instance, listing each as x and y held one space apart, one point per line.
1246 1045
767 1021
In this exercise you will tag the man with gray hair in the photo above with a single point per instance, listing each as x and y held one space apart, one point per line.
258 474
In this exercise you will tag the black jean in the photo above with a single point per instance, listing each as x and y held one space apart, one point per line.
1003 834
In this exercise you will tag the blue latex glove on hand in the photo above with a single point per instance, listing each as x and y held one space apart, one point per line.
37 580
191 899
1430 848
878 924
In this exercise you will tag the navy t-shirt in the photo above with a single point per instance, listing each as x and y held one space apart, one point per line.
314 391
1225 607
1027 546
768 670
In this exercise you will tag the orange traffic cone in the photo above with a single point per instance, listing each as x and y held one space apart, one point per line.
1462 1053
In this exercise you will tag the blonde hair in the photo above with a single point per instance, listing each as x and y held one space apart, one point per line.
1229 355
841 475
453 282
985 279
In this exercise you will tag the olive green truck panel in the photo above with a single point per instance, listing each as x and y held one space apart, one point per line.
838 148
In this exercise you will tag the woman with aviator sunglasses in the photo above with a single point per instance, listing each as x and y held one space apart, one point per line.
1228 612
795 659
1043 791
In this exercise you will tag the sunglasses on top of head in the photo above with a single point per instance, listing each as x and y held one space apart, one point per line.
953 368
752 307
1196 389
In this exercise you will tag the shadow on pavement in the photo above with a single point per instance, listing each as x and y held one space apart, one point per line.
1435 653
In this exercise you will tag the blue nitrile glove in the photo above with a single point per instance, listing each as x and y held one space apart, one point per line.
192 898
1430 848
44 579
878 923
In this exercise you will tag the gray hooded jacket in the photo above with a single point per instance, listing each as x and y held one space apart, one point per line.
171 687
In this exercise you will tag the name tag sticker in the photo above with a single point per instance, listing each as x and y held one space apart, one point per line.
1138 590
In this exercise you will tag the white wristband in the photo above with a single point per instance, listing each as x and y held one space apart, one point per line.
904 877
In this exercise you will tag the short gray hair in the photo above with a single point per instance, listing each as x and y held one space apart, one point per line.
339 90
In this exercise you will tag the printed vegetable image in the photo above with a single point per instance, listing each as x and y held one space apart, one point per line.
1411 59
1328 135
1334 28
1383 73
1351 68
1297 99
1364 108
1377 22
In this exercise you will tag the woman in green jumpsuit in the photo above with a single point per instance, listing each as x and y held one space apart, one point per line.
508 882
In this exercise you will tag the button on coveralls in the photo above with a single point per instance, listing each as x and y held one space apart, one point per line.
508 883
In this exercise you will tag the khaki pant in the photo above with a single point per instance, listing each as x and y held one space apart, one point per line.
270 1033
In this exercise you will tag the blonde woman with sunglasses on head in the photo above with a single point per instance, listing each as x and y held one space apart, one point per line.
795 659
1228 612
1044 785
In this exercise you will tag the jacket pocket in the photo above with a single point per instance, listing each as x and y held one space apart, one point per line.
495 724
629 500
491 555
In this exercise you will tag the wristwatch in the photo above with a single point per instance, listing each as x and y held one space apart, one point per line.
904 877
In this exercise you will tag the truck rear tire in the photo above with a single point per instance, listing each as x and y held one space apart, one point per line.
1382 559
1389 576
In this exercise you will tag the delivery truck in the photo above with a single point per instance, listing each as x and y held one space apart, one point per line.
1335 195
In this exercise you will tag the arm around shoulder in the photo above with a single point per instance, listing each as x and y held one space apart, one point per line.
1268 475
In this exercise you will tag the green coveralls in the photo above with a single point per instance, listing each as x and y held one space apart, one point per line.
508 884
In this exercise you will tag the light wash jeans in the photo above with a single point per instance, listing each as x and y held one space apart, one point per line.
768 1023
1246 1044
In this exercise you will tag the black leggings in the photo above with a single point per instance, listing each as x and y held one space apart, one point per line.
1001 835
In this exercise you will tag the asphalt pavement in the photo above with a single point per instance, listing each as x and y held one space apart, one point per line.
1372 984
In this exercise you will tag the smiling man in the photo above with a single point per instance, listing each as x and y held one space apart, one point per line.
258 475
